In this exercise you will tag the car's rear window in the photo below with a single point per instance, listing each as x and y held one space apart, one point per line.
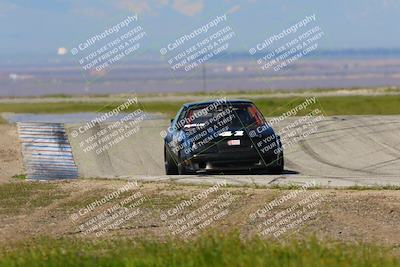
241 115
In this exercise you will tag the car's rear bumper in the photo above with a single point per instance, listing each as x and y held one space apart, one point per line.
229 161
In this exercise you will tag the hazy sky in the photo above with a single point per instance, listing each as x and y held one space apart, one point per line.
42 26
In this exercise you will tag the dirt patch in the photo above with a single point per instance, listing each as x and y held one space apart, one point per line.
369 216
10 152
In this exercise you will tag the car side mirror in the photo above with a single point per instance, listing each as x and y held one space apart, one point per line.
172 120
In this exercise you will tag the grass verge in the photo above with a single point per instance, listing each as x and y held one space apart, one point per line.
19 196
2 120
331 105
207 250
19 176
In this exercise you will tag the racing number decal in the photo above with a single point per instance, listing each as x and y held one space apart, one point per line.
230 133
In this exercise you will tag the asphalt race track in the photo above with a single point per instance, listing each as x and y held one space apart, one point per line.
343 151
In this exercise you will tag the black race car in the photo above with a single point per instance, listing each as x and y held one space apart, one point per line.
219 136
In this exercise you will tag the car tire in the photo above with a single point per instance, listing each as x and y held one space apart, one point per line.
181 169
171 168
278 165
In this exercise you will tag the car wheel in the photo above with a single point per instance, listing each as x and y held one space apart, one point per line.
181 169
278 166
171 167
